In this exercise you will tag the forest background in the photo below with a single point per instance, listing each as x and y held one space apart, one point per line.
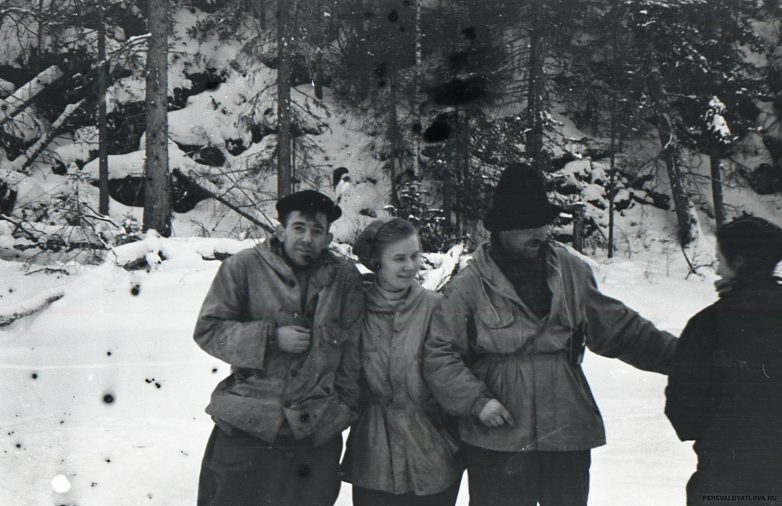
670 105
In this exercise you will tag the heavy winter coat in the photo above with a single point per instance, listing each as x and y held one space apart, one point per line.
485 343
725 388
395 446
315 392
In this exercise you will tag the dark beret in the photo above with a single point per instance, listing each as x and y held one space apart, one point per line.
309 201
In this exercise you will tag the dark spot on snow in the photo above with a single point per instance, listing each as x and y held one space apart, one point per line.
214 370
438 131
108 461
18 445
10 290
34 375
94 484
157 385
108 398
149 380
135 289
149 496
62 422
108 353
393 16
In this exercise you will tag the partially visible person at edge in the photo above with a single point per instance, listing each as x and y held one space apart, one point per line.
505 349
399 452
725 388
286 315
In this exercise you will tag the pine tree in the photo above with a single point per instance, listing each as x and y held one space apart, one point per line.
157 187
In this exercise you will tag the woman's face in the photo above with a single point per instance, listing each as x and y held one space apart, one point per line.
724 269
400 262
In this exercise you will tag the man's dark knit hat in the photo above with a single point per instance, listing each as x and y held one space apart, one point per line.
309 201
520 201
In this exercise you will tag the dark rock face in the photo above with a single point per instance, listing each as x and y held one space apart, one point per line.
210 155
126 124
7 198
766 179
129 191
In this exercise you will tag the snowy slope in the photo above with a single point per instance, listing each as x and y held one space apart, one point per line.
127 335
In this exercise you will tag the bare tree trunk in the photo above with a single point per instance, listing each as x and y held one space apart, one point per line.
283 100
612 178
681 198
103 154
157 182
317 78
612 169
39 36
419 56
716 188
534 141
394 127
362 67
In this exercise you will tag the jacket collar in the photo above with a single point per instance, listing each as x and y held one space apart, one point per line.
321 273
492 277
377 303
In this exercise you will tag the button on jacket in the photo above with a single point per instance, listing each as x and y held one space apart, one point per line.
522 360
313 393
395 446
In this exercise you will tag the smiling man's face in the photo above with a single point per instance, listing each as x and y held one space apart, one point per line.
304 236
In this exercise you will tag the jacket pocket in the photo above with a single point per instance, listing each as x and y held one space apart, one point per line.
496 318
333 336
330 340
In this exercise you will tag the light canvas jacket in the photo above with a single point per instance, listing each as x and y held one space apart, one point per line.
315 392
485 343
395 446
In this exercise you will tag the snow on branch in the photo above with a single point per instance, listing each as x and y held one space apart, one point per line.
715 121
22 97
22 162
41 301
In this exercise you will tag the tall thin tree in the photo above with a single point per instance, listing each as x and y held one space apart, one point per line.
103 153
284 180
535 79
157 184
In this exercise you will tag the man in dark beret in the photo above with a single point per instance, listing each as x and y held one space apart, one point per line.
505 347
286 316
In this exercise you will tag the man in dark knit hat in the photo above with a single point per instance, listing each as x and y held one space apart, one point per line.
505 348
286 316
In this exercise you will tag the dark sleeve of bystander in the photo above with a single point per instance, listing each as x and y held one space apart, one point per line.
691 391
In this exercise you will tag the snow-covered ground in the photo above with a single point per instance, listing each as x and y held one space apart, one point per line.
106 387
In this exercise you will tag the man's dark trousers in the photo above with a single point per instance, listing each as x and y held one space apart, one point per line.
241 470
526 478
